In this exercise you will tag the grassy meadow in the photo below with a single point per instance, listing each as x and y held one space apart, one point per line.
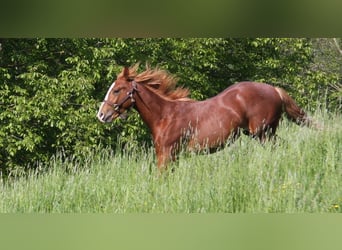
301 172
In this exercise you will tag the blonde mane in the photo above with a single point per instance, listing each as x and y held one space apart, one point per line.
159 81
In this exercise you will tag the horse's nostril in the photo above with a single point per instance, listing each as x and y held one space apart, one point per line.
100 116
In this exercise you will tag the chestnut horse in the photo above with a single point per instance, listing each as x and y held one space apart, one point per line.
175 120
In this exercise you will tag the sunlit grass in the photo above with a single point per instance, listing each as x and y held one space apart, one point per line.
300 172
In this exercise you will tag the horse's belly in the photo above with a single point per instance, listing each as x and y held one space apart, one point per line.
208 138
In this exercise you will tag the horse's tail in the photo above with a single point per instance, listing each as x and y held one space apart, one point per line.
294 112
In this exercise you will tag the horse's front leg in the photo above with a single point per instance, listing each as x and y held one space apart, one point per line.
163 158
165 155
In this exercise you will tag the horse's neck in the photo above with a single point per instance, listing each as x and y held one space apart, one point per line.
150 106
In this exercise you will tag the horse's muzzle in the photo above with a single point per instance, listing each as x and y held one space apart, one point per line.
107 117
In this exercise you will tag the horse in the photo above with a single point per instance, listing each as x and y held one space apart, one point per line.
176 121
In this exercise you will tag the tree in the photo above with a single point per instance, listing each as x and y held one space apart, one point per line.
50 89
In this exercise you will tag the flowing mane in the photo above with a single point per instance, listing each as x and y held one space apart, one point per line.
159 81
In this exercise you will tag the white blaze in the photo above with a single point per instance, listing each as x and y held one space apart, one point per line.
99 114
109 90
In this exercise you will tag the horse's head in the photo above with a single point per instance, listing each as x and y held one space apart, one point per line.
119 98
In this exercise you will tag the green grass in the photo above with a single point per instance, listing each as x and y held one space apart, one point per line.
301 172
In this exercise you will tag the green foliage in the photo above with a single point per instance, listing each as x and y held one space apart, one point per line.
47 100
50 89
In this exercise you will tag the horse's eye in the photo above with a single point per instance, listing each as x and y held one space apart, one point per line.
116 91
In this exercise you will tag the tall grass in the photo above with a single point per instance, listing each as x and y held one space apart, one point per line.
301 172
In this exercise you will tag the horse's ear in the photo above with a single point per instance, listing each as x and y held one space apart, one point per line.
126 72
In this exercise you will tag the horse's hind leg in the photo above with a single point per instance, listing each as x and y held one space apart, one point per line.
268 132
271 130
263 130
264 134
234 135
259 131
256 131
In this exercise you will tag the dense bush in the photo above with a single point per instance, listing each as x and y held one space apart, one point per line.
50 89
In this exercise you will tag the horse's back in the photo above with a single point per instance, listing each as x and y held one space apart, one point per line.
253 94
252 87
